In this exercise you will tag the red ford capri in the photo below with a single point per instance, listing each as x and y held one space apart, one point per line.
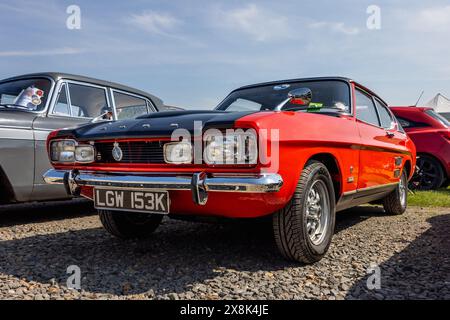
297 150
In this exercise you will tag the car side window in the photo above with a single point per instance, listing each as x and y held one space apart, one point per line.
87 101
365 109
128 106
62 105
385 117
404 123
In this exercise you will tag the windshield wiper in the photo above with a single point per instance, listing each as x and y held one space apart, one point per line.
294 109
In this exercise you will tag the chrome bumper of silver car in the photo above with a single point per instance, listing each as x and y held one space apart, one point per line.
199 183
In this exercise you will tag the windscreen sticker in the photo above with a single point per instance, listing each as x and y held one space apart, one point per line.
281 87
314 107
36 100
30 98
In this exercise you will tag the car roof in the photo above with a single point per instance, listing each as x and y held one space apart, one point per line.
59 75
410 108
331 78
268 83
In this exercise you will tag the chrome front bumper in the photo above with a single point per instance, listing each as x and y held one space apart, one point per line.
199 183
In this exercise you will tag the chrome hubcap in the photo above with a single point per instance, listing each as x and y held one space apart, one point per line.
317 212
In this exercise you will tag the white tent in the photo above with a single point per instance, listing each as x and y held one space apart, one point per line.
440 104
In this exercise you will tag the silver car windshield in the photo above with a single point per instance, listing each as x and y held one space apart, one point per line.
25 94
327 96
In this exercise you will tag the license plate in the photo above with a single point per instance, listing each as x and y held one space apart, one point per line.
132 200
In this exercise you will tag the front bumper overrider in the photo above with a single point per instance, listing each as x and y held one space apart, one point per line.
200 184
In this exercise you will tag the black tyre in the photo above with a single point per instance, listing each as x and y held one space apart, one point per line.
430 174
304 228
396 202
129 225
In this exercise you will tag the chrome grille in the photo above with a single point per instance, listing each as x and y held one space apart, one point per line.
146 152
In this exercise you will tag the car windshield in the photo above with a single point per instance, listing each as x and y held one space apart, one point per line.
327 96
26 94
438 117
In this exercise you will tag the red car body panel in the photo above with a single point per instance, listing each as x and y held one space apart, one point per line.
432 139
364 155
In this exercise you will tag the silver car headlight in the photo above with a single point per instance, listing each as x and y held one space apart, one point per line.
68 151
84 154
238 147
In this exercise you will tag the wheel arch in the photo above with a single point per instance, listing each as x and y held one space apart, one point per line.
332 164
435 158
409 169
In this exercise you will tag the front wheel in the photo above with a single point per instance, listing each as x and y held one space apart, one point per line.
129 225
396 202
304 228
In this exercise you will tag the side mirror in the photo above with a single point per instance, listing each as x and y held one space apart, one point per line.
300 96
106 116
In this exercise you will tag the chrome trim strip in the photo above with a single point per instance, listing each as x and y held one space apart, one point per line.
67 81
16 134
348 193
49 94
41 135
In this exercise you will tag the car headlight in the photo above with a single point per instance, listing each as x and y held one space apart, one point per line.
84 154
68 151
178 152
238 147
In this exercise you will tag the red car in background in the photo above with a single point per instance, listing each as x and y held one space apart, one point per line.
430 133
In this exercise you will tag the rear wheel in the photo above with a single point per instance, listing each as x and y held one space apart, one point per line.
129 225
429 175
396 202
304 228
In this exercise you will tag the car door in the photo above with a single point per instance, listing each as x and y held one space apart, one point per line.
377 158
73 104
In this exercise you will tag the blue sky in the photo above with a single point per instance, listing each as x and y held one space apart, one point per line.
192 53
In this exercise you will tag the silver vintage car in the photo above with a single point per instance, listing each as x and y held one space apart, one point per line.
33 105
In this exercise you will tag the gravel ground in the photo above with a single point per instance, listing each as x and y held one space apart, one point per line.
220 261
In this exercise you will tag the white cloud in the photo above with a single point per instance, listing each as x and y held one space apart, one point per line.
258 23
435 19
48 52
338 27
154 22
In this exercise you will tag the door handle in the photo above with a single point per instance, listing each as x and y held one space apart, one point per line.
390 134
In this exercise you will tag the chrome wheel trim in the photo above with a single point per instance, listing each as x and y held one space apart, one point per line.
402 190
317 212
